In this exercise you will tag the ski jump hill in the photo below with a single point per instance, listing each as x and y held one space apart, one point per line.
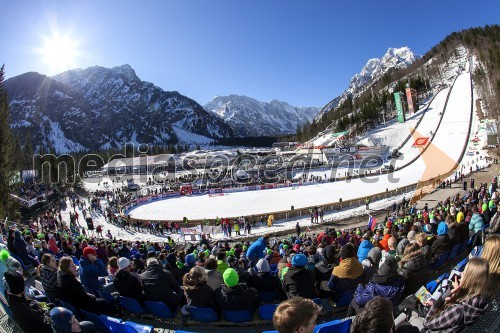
445 128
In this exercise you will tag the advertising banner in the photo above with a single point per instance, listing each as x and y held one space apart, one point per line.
399 107
409 99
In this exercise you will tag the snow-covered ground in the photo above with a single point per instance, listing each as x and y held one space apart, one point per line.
447 145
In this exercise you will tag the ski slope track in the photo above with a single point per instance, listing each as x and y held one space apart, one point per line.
448 118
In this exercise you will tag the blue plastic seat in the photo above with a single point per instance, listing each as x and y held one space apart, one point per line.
432 285
99 323
266 311
346 298
463 247
140 328
336 326
131 305
205 315
117 327
159 309
268 296
106 296
454 251
75 261
238 316
318 301
441 260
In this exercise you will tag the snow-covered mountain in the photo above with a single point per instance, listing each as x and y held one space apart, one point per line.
101 107
394 58
250 117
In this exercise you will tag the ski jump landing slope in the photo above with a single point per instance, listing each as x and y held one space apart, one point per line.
450 138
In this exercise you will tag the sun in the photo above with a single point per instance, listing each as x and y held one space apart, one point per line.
59 52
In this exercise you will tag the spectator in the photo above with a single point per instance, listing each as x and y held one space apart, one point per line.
365 247
27 312
91 269
376 317
348 274
263 281
323 269
442 242
70 290
65 322
421 240
392 243
296 315
196 290
127 284
160 285
491 252
171 266
113 265
239 267
47 272
234 296
53 245
221 261
256 250
476 222
386 283
467 301
414 269
371 263
214 277
383 243
19 246
298 280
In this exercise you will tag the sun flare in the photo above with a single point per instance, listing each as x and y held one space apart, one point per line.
59 52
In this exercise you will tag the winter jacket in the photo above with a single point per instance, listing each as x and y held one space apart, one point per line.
416 274
201 297
160 286
455 317
215 279
476 223
264 282
383 244
439 246
363 250
90 273
70 290
48 277
53 245
29 315
390 287
239 297
349 268
20 248
256 250
299 281
128 285
402 245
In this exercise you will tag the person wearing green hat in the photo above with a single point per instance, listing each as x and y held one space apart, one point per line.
234 296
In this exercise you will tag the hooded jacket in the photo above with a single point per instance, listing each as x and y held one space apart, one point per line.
299 281
476 223
363 249
70 290
456 316
29 315
388 286
20 248
416 274
160 286
239 297
323 269
128 285
256 250
48 277
439 246
90 273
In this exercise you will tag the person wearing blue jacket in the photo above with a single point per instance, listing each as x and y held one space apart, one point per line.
91 269
476 223
364 248
386 283
256 250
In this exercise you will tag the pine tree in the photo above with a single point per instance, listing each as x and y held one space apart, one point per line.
7 149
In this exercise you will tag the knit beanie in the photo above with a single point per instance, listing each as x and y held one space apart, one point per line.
15 281
299 260
4 254
263 266
388 267
442 229
190 259
123 263
230 277
232 261
61 318
269 251
329 252
411 235
88 250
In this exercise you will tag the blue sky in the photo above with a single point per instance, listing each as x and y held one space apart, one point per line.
301 52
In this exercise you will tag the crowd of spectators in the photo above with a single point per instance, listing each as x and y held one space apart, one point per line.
385 264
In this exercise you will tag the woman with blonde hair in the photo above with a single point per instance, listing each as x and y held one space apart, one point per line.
491 252
467 302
